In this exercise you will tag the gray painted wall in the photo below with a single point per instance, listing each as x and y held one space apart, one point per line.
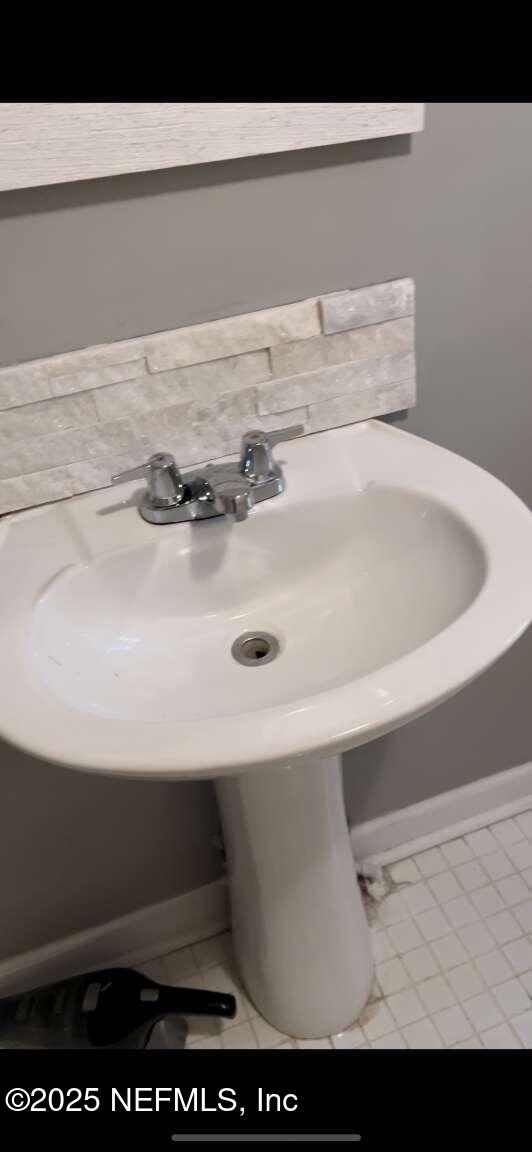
109 259
77 850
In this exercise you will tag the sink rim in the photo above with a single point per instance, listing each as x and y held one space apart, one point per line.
333 720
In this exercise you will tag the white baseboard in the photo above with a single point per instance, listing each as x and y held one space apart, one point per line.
131 939
456 812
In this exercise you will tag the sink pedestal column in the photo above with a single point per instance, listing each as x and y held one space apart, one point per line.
300 933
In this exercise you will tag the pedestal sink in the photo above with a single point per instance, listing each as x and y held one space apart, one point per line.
388 575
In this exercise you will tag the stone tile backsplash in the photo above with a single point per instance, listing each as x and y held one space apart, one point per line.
362 306
69 421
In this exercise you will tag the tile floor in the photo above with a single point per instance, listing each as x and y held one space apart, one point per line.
452 941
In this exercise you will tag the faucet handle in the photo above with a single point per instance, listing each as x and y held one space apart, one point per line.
165 485
234 498
257 461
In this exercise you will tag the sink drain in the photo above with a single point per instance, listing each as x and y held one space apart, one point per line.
252 648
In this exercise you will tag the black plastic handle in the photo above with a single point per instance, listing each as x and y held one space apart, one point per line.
199 1002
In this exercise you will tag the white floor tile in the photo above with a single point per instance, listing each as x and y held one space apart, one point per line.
392 909
487 900
422 1034
526 981
456 852
208 1042
392 976
500 1037
519 955
527 875
520 854
392 1040
435 994
406 1007
503 927
351 1038
267 1036
449 951
242 1036
419 897
433 924
177 965
524 822
381 945
377 1020
474 1042
194 980
322 1043
523 914
511 997
155 970
482 1011
405 936
497 865
205 1027
494 968
523 1027
506 831
158 970
460 911
465 981
471 875
476 939
453 1025
430 862
481 842
513 889
215 950
445 886
221 977
420 964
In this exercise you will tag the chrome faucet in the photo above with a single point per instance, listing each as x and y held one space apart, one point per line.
214 489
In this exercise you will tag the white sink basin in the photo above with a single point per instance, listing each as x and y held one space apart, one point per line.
347 585
390 572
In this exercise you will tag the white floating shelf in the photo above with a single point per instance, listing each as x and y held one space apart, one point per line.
56 143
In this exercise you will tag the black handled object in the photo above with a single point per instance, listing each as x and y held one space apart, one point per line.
111 1008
